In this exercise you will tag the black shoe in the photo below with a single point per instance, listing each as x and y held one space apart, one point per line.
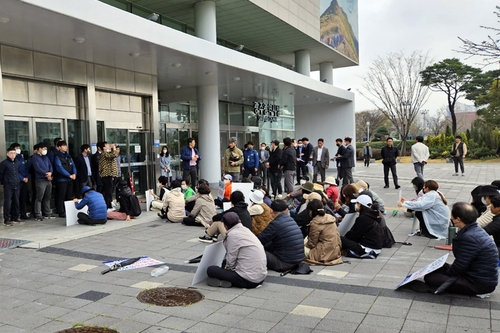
17 221
8 224
386 186
397 187
214 282
38 218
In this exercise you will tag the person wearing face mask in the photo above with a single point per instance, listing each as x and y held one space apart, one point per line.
187 190
233 159
83 169
108 171
431 210
340 152
23 182
273 166
64 174
43 179
165 159
251 161
366 236
486 193
331 188
301 161
9 178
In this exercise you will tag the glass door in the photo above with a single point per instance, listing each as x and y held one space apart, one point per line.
46 130
18 131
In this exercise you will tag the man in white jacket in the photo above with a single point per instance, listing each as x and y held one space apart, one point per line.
419 156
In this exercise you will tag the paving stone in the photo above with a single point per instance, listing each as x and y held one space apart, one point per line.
388 311
336 326
256 325
470 312
177 323
146 285
147 317
268 315
236 310
302 321
381 321
422 326
347 316
430 307
460 321
282 328
222 319
129 326
248 301
82 268
206 327
310 311
457 329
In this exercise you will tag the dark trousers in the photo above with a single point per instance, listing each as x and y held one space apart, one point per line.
218 202
367 160
249 171
190 221
107 190
190 205
262 173
339 174
462 285
81 185
231 276
423 228
85 219
352 245
275 264
347 176
301 168
275 177
24 199
318 169
192 173
64 192
394 174
458 160
10 203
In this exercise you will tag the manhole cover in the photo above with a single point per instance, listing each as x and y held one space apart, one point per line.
88 329
170 296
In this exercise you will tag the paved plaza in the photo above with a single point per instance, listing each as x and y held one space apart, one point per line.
55 281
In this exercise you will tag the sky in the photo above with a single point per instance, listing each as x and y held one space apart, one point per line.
424 25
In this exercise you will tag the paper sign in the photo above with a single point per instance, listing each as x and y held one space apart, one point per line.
72 212
137 149
347 223
145 261
94 147
226 206
213 255
246 188
149 200
220 194
156 143
426 270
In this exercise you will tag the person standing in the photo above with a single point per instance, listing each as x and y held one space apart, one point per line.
107 170
458 152
340 152
165 160
301 161
65 173
308 149
190 158
43 179
263 158
233 159
347 162
274 168
118 165
320 158
83 168
367 153
251 161
389 154
419 156
288 164
23 182
94 166
9 178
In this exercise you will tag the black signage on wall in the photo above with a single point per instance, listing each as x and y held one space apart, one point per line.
266 112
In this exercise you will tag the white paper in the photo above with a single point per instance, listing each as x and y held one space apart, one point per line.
347 223
246 188
149 200
137 149
226 206
400 194
426 270
72 212
220 194
213 255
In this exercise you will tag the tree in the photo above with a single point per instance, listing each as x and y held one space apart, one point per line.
450 76
489 49
436 124
376 119
491 112
480 85
393 86
380 132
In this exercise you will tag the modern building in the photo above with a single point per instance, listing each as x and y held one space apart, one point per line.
148 73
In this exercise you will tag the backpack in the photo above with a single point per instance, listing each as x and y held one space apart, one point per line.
135 207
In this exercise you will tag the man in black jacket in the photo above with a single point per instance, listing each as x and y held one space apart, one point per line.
273 166
347 162
288 164
9 178
340 151
94 165
83 168
389 154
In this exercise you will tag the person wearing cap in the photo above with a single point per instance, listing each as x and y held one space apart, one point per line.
233 159
431 210
282 239
347 162
9 178
366 236
228 189
251 161
273 166
487 192
245 262
259 211
331 188
364 186
97 210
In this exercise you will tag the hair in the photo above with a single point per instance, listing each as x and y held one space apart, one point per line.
316 208
15 144
349 192
348 139
61 143
419 183
245 180
299 140
56 140
465 211
204 189
237 196
102 144
189 140
305 139
203 182
265 190
263 143
166 154
338 140
276 142
163 180
433 186
389 138
495 201
321 139
458 137
419 138
11 149
42 145
176 184
250 143
496 183
293 140
36 146
287 142
279 206
84 147
186 180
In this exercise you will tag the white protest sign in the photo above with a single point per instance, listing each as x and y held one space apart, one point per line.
72 212
149 198
226 206
347 223
145 261
426 270
213 255
245 188
220 194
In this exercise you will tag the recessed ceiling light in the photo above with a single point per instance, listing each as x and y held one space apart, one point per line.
135 54
176 65
4 19
225 95
177 87
292 93
79 40
306 96
236 78
243 98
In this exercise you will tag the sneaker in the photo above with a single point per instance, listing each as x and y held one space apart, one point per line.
49 217
214 282
111 209
206 239
279 196
8 224
38 218
455 174
17 221
463 175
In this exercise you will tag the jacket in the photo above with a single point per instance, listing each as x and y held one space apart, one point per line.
308 149
188 193
303 158
460 149
288 159
347 157
493 229
325 157
9 173
203 210
64 167
94 165
245 255
233 155
241 208
174 202
261 217
476 256
186 156
275 159
165 162
96 204
286 238
107 164
340 151
324 241
265 158
228 189
485 218
251 159
367 230
419 153
333 193
82 172
367 151
41 165
435 213
389 155
23 167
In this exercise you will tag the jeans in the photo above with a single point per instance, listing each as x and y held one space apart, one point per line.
394 174
460 286
85 219
107 189
275 177
289 180
10 203
458 160
43 193
64 193
318 169
419 169
273 263
231 276
192 173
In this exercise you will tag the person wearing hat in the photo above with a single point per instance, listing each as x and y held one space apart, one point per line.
233 159
486 193
366 236
259 211
303 218
228 189
245 263
97 209
273 166
331 188
366 187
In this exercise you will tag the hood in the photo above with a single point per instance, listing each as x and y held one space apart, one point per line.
374 214
326 219
206 197
242 205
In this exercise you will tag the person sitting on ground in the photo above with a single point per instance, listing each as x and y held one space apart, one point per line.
304 218
228 189
259 211
245 264
203 209
487 192
97 209
189 202
173 207
431 211
298 197
282 239
331 188
474 270
157 203
364 186
187 190
267 198
366 236
477 201
124 198
493 228
322 245
418 186
346 205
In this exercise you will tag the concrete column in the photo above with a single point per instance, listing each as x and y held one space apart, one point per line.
208 133
303 62
91 110
3 144
205 20
326 72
